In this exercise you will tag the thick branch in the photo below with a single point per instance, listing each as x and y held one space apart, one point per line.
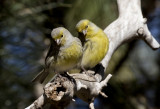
39 103
60 91
129 25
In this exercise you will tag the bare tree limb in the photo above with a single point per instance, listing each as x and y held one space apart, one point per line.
39 103
60 91
129 25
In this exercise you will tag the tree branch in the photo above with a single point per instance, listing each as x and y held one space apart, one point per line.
87 86
129 25
39 103
60 91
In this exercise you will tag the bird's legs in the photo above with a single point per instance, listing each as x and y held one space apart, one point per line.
83 69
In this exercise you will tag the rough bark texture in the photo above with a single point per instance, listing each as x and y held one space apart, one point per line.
129 25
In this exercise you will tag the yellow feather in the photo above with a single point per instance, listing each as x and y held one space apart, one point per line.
63 55
69 57
96 45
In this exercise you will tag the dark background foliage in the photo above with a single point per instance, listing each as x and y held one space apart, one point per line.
25 27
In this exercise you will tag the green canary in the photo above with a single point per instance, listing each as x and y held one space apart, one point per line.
64 54
95 43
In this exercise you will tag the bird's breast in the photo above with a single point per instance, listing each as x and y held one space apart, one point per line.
95 50
68 57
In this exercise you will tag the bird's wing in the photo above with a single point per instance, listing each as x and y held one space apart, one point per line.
41 76
87 45
52 53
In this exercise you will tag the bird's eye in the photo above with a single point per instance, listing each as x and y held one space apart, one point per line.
61 35
86 26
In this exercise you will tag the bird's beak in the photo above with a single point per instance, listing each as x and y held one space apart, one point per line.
58 41
84 32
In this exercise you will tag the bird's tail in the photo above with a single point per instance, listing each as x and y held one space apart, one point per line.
41 76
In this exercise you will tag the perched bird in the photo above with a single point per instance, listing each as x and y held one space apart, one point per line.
64 54
95 43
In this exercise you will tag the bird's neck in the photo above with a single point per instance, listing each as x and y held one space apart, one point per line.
92 33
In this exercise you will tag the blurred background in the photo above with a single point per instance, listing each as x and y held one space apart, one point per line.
25 27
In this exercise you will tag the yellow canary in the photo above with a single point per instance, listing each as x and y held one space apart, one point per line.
95 43
64 54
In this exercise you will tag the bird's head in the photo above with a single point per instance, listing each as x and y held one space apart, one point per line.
82 26
86 28
59 35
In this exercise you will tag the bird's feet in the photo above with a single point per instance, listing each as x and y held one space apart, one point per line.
83 70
